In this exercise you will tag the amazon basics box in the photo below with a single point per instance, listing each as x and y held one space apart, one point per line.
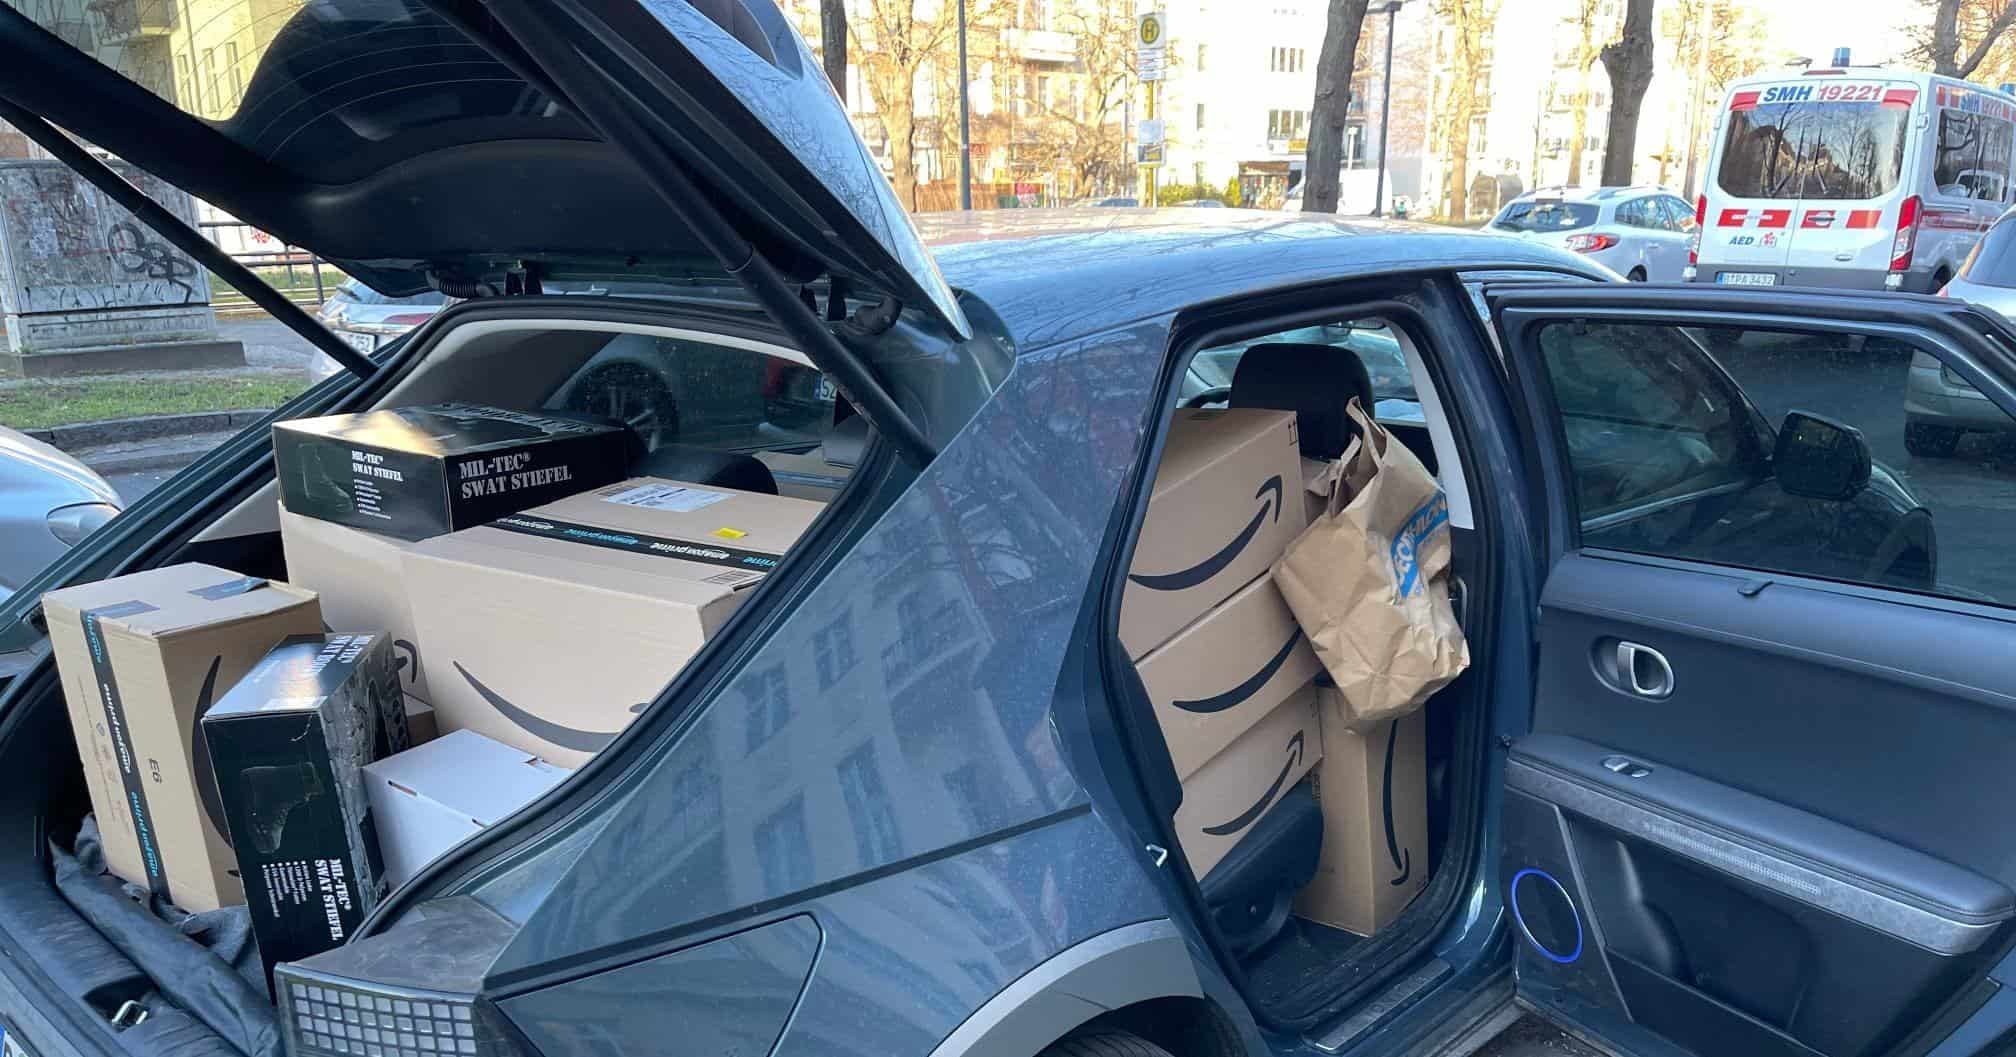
289 744
1374 791
142 658
1224 673
1226 796
549 630
415 472
1226 503
432 797
357 576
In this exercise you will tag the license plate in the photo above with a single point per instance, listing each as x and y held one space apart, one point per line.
1747 278
364 343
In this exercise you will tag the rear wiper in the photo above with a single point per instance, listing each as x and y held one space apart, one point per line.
183 237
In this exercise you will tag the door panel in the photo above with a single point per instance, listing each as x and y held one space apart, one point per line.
1759 808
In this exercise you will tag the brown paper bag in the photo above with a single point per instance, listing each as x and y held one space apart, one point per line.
1369 580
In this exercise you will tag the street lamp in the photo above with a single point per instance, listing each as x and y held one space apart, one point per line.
1385 110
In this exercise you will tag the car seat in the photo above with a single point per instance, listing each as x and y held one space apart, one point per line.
1314 381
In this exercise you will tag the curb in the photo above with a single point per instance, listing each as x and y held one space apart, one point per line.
145 427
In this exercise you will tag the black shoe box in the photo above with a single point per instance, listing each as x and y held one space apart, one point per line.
288 745
418 472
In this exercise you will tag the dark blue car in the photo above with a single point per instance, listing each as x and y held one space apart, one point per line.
1723 777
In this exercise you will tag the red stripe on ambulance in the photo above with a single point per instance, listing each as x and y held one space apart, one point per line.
1732 218
1774 218
1900 97
1743 101
1864 218
1817 218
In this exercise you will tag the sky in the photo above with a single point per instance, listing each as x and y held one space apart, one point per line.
1873 29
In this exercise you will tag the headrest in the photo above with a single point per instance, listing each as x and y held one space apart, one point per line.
1314 381
722 469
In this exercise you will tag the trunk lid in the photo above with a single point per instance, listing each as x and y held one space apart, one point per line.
415 143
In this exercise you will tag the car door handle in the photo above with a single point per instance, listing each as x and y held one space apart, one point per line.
1643 671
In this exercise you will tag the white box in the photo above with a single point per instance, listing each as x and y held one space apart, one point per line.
428 799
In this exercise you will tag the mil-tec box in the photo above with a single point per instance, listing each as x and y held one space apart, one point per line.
551 629
142 659
1227 501
415 472
434 796
290 743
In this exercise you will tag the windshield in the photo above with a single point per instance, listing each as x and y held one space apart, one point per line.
1813 148
1993 262
1545 216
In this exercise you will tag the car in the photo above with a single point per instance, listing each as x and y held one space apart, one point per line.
1205 203
1722 774
365 318
1643 233
1940 405
49 502
1118 202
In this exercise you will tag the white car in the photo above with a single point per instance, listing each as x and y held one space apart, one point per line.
1644 233
366 319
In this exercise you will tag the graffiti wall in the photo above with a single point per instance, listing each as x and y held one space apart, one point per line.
78 271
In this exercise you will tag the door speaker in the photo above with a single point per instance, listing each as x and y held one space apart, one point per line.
1546 916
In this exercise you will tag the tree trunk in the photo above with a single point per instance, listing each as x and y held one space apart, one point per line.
833 44
1945 47
1629 63
901 124
1459 176
1325 154
1579 132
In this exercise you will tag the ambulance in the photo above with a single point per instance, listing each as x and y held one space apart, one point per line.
1856 177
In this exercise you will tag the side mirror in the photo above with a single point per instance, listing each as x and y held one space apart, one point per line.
1819 458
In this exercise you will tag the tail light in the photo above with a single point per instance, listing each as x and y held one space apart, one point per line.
1591 243
1906 241
1700 225
408 319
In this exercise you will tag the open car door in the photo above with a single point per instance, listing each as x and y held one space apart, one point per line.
1761 809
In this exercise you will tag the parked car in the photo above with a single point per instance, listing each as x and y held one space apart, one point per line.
1118 202
1941 406
1643 233
49 502
366 319
1722 776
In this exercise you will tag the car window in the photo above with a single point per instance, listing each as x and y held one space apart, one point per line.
1636 213
677 391
1679 215
1993 259
1372 341
1546 215
1816 454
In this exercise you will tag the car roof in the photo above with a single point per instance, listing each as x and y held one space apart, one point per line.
1592 194
1051 275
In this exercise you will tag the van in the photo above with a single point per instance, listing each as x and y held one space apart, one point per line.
1854 177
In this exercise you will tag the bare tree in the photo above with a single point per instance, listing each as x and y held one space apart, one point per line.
1728 34
833 43
1587 14
1469 28
1325 153
1628 61
900 41
1082 128
1972 26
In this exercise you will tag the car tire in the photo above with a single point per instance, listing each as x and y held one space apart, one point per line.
1104 1043
1930 441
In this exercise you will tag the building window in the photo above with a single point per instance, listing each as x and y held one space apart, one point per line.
1477 137
833 649
1287 124
867 799
237 75
1200 117
769 695
1200 58
784 849
207 80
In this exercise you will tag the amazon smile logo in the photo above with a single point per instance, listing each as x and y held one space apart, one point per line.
1403 859
589 741
1270 494
1246 689
1246 818
199 753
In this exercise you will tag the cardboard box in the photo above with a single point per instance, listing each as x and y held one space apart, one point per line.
1374 792
142 657
358 578
549 630
1224 507
1231 792
1224 673
289 744
416 472
433 797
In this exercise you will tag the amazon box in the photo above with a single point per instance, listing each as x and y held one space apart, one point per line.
416 472
1226 672
142 658
1374 791
549 630
289 744
1231 792
356 575
1226 503
432 797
